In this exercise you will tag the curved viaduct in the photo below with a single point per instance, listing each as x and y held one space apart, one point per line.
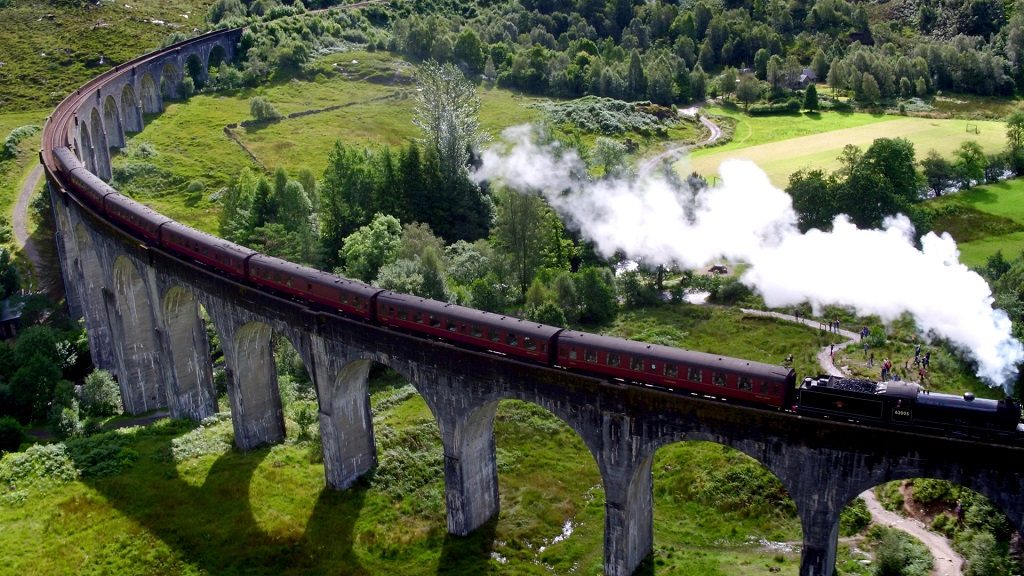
141 304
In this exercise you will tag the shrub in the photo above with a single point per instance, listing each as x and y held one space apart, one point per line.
67 424
855 518
10 149
262 110
188 87
11 434
100 395
899 554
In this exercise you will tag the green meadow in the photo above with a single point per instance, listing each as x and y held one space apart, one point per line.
983 220
781 145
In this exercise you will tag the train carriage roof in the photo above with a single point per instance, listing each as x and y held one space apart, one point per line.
313 275
220 243
138 208
676 355
470 315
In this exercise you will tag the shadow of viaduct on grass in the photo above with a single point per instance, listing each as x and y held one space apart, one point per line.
213 526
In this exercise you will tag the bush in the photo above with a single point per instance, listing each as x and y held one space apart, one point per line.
899 554
188 87
100 395
11 434
67 424
855 518
10 149
262 110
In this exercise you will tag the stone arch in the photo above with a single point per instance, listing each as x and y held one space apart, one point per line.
86 149
196 70
135 344
191 392
218 55
151 103
112 122
170 81
662 484
131 114
472 482
346 423
101 147
256 410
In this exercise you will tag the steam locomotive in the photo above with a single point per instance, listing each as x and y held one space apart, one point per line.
710 375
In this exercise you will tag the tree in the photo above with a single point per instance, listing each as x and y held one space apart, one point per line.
698 82
893 158
469 51
1015 139
596 289
814 199
636 79
939 173
372 246
970 163
11 435
748 90
548 313
447 110
869 91
811 98
100 395
727 81
609 154
776 76
517 220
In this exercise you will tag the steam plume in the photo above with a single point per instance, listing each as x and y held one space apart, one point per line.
746 218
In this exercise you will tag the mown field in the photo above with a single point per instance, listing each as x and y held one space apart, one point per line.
189 504
781 145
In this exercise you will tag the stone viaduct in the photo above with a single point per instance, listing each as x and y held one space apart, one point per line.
141 309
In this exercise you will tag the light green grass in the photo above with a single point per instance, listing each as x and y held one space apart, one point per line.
781 145
51 48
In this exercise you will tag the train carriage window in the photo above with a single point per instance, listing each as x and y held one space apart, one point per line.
493 335
511 339
355 301
452 327
572 353
652 367
417 317
529 343
718 379
613 359
435 321
695 375
764 387
590 355
671 370
476 331
745 383
636 364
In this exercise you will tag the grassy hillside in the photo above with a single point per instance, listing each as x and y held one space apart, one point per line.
781 145
48 49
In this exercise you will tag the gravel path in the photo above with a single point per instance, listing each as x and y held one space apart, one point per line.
947 562
714 133
19 220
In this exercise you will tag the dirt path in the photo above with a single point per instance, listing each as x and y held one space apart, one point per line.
714 133
19 220
43 433
947 562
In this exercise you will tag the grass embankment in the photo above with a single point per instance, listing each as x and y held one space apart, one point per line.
50 48
781 145
13 171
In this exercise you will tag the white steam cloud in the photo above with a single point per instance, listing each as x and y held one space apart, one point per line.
745 218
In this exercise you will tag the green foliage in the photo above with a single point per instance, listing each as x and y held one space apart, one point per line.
262 110
548 312
607 116
212 436
899 554
855 518
11 434
595 288
371 247
10 148
100 395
